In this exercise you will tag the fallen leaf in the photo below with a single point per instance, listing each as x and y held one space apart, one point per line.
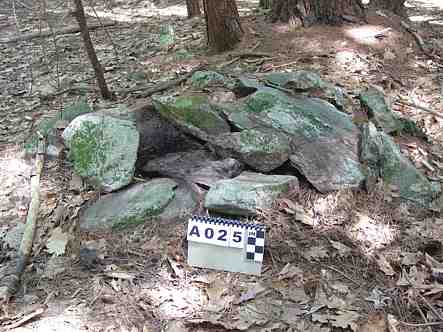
293 292
176 326
60 213
393 323
345 319
384 265
290 271
289 206
315 253
291 313
55 266
76 183
152 244
376 323
378 298
57 242
331 301
410 258
340 288
251 293
216 290
119 275
342 249
403 280
435 288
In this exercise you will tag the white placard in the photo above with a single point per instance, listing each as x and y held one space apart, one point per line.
237 237
210 233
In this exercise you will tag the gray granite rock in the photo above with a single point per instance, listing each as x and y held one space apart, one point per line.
103 149
248 192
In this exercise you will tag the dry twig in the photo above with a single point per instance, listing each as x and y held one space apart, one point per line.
343 274
47 33
402 102
11 282
149 91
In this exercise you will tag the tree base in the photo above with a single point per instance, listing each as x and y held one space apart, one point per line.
307 12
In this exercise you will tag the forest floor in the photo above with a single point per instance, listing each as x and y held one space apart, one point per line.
362 262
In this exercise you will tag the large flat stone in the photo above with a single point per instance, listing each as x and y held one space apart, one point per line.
130 206
383 158
248 192
262 150
193 114
197 166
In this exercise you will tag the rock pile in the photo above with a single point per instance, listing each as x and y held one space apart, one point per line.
236 151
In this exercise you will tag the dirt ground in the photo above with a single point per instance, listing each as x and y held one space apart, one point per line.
375 253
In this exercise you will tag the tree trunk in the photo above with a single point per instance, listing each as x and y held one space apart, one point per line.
223 26
395 6
193 7
81 19
310 11
265 4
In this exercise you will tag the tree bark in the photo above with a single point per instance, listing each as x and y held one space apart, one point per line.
265 4
193 7
308 12
395 6
98 69
223 28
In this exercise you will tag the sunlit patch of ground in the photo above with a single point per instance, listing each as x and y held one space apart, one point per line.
139 13
428 11
14 190
365 224
372 233
60 316
367 34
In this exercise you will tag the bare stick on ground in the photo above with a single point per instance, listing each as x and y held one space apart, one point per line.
47 33
435 113
9 283
162 86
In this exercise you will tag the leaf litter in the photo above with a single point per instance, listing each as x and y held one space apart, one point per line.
309 231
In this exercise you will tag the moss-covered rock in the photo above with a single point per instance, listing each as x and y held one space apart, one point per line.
246 85
384 159
323 140
203 79
47 126
103 149
131 206
374 102
308 83
248 192
167 35
262 150
198 166
193 114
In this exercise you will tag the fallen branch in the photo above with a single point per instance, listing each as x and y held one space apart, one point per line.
9 283
421 324
149 91
251 55
25 318
47 33
402 102
419 40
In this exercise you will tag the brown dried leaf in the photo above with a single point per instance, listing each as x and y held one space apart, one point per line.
290 271
384 265
315 253
57 242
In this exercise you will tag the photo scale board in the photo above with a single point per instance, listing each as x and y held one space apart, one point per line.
225 244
